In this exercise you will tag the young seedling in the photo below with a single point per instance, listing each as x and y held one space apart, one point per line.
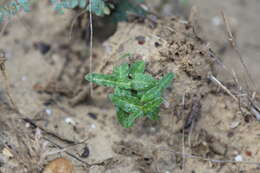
136 94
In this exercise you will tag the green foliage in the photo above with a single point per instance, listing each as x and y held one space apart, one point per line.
59 5
99 7
136 94
118 11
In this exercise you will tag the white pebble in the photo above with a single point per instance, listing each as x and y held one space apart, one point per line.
27 125
48 111
93 126
238 158
69 120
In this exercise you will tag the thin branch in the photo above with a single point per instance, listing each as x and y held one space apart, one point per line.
91 44
235 47
47 132
215 80
65 148
68 153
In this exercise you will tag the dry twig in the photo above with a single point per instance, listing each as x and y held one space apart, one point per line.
233 43
252 105
215 80
91 44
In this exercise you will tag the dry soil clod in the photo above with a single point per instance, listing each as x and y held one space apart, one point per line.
59 165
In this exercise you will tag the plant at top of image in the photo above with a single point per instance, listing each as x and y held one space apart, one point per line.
118 10
136 94
11 8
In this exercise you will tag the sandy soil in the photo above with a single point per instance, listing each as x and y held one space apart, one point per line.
244 23
202 129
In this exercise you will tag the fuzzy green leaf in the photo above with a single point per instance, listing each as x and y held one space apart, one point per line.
108 80
125 119
140 93
133 116
98 7
122 117
129 104
122 92
151 105
157 90
166 81
121 71
142 81
153 115
151 94
82 3
137 67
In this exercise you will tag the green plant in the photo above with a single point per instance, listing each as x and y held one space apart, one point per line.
117 10
136 94
11 8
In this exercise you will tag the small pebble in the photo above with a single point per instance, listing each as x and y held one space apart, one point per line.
230 134
156 44
238 158
140 39
92 115
27 125
60 165
85 152
42 47
48 111
69 120
93 126
248 153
